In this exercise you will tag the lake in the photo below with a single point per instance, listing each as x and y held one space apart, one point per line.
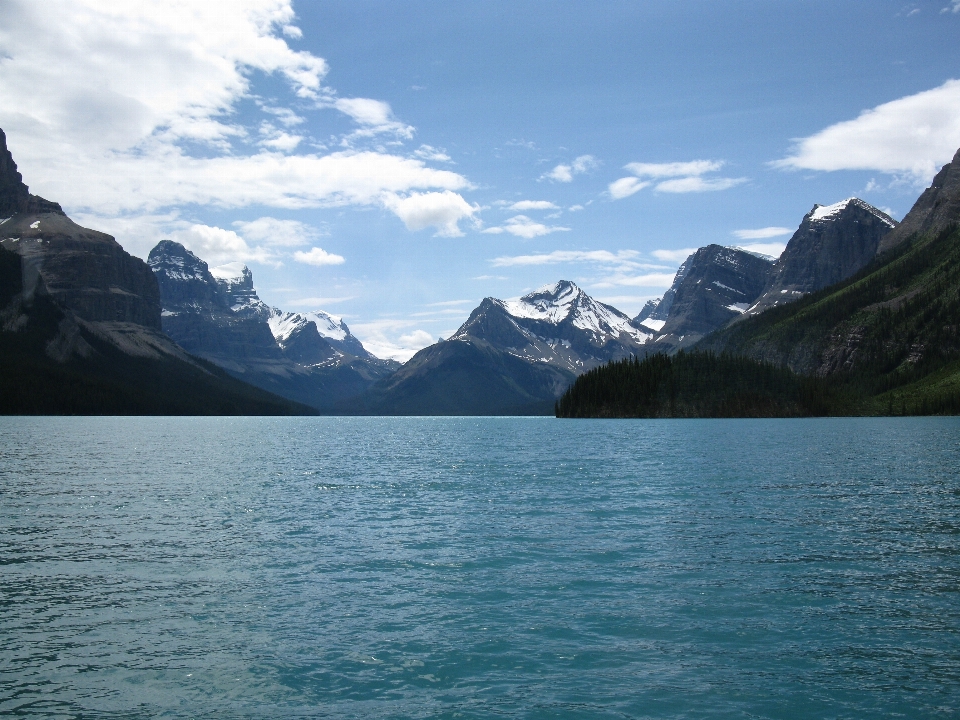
479 568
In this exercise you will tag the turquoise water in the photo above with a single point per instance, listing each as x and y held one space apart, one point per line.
479 568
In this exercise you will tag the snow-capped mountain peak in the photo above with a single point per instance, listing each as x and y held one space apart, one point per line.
822 213
550 303
564 302
284 324
331 328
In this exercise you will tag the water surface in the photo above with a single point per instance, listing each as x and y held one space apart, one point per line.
479 568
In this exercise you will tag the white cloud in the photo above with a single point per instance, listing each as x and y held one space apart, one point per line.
104 104
697 184
430 153
315 302
271 231
533 205
684 177
442 210
677 256
418 338
278 140
625 187
575 208
648 280
911 136
622 258
561 173
522 226
675 169
318 257
565 173
773 250
953 7
373 116
217 246
392 338
762 233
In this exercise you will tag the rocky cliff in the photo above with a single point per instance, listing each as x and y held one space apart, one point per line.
715 285
832 243
84 270
216 314
936 210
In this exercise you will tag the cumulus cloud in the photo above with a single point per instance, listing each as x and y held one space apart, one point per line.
565 172
683 177
442 210
762 233
317 257
217 246
271 231
522 226
524 205
392 338
912 136
106 104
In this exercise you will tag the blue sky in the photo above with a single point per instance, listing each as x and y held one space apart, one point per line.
394 163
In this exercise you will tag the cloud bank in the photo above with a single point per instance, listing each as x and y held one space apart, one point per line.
135 108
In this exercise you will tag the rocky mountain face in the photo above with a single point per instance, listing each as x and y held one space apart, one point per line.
216 314
80 326
832 243
198 315
894 334
654 314
510 356
15 197
936 210
86 271
715 285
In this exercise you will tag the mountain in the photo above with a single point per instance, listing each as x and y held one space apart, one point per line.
713 286
654 314
509 357
936 210
80 325
296 332
215 313
832 243
890 334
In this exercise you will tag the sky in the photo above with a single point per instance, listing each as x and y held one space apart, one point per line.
394 163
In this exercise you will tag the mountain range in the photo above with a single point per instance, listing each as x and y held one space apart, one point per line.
80 324
854 292
885 340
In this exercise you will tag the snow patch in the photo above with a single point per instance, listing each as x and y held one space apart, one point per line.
829 212
655 325
726 287
284 324
739 307
34 225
